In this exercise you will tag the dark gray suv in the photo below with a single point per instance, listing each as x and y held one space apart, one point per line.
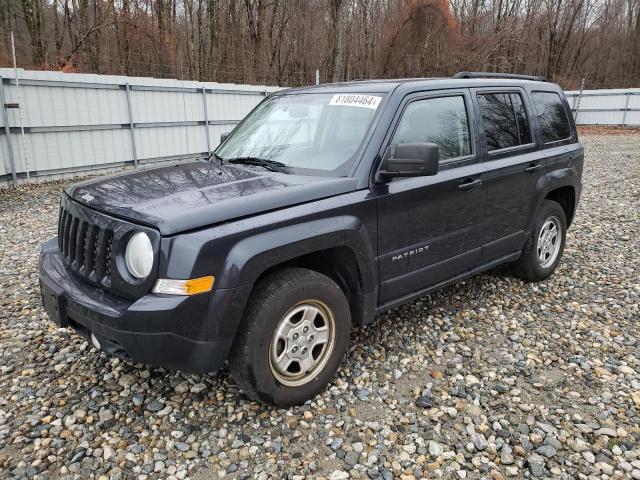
324 207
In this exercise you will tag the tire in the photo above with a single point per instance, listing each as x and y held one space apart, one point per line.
281 305
537 263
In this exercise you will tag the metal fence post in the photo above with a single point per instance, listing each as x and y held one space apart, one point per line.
7 131
131 126
626 108
575 116
206 118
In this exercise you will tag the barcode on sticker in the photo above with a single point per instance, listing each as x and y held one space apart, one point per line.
347 100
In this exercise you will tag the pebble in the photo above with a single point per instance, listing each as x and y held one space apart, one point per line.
546 451
339 475
424 401
155 406
479 441
435 449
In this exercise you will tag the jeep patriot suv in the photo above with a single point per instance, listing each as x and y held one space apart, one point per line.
325 206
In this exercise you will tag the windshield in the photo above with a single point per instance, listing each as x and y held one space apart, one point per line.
308 133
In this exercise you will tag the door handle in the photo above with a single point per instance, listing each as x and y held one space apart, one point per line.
533 168
470 184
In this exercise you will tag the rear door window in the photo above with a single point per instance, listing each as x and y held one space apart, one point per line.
504 119
552 116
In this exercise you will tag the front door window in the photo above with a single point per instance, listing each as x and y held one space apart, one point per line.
442 121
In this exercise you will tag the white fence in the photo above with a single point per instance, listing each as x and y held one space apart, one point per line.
606 107
60 123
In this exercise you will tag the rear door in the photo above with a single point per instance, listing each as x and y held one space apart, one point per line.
428 226
514 163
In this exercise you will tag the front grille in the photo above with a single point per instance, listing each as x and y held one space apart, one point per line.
85 248
90 243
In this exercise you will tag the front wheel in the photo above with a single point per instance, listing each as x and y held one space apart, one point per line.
543 250
292 339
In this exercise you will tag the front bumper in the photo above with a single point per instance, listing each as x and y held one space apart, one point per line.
189 333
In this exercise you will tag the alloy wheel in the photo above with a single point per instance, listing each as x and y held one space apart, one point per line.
302 343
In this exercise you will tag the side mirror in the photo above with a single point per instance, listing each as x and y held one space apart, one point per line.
412 160
224 136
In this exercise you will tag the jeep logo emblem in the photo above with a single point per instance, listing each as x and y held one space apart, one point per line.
87 197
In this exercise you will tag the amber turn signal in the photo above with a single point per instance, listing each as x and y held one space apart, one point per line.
169 286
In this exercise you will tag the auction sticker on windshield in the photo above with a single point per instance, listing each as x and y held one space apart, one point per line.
347 100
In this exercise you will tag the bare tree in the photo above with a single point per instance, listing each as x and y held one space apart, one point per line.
35 23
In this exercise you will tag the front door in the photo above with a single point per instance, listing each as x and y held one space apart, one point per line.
428 227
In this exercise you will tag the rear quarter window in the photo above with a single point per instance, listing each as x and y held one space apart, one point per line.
552 116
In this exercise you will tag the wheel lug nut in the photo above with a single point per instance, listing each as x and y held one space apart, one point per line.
310 338
304 350
305 329
295 336
294 349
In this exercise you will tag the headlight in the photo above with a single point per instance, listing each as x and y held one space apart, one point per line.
139 255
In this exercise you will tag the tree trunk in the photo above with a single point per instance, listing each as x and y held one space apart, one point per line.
337 46
35 22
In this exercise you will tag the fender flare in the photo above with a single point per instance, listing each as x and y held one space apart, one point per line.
565 177
252 256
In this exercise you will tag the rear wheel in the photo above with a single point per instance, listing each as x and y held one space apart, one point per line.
545 245
292 339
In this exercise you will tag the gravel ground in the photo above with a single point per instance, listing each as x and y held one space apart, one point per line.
491 378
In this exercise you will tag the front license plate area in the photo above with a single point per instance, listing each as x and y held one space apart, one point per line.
53 303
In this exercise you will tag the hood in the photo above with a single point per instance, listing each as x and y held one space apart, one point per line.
190 195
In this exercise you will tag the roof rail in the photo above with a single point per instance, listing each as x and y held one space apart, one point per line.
499 75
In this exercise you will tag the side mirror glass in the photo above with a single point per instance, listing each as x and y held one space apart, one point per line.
412 160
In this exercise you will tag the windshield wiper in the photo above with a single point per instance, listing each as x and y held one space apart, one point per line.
272 165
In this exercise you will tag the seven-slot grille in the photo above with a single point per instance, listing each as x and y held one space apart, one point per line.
84 247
